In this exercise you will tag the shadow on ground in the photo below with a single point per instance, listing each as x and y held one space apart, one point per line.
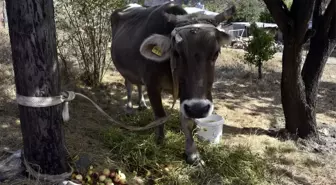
10 135
235 86
326 101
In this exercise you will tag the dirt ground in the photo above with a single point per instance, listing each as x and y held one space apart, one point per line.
248 105
256 105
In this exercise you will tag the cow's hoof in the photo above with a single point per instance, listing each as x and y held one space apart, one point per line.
159 139
194 159
129 110
160 135
142 107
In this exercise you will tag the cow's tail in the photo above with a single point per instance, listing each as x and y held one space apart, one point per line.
114 18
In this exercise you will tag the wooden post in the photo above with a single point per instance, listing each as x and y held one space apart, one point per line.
33 41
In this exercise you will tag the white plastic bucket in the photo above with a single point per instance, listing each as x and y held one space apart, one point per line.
210 128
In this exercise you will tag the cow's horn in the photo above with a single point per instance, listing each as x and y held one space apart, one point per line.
228 13
170 17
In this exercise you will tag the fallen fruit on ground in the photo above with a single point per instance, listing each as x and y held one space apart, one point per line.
122 177
88 179
112 174
79 177
106 172
108 180
104 177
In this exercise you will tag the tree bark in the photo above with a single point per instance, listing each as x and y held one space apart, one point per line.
33 42
300 118
259 71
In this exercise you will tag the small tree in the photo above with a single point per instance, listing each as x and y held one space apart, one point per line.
260 48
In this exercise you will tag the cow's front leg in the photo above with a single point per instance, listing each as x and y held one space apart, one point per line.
154 95
141 99
192 154
129 105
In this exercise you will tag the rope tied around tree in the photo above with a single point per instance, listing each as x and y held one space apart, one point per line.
65 98
54 179
39 102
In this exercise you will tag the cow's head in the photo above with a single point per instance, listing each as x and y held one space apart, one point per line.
192 47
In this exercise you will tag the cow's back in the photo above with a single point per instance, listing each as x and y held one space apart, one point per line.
130 27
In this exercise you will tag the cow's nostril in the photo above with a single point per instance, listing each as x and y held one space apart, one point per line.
206 108
197 110
187 108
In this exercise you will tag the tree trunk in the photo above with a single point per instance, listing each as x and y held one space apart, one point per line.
33 42
321 46
259 70
299 117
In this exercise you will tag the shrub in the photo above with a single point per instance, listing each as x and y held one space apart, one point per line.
83 34
260 48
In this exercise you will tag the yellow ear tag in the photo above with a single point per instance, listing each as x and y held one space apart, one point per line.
156 50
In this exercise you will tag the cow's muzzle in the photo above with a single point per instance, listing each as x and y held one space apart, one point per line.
196 108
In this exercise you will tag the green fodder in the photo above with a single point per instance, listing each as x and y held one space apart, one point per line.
165 164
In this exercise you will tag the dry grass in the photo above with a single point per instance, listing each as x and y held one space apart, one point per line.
247 102
243 157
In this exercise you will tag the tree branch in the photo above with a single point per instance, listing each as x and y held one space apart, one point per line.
302 12
332 29
329 14
316 21
280 13
317 14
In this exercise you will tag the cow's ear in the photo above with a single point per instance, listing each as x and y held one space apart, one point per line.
156 47
223 37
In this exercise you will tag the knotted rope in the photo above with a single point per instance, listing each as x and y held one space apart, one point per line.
53 179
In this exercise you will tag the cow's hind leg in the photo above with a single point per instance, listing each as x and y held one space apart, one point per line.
129 105
154 94
192 154
141 99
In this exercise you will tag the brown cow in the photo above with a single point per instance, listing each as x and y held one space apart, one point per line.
166 49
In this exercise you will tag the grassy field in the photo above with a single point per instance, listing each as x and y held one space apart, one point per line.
245 156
